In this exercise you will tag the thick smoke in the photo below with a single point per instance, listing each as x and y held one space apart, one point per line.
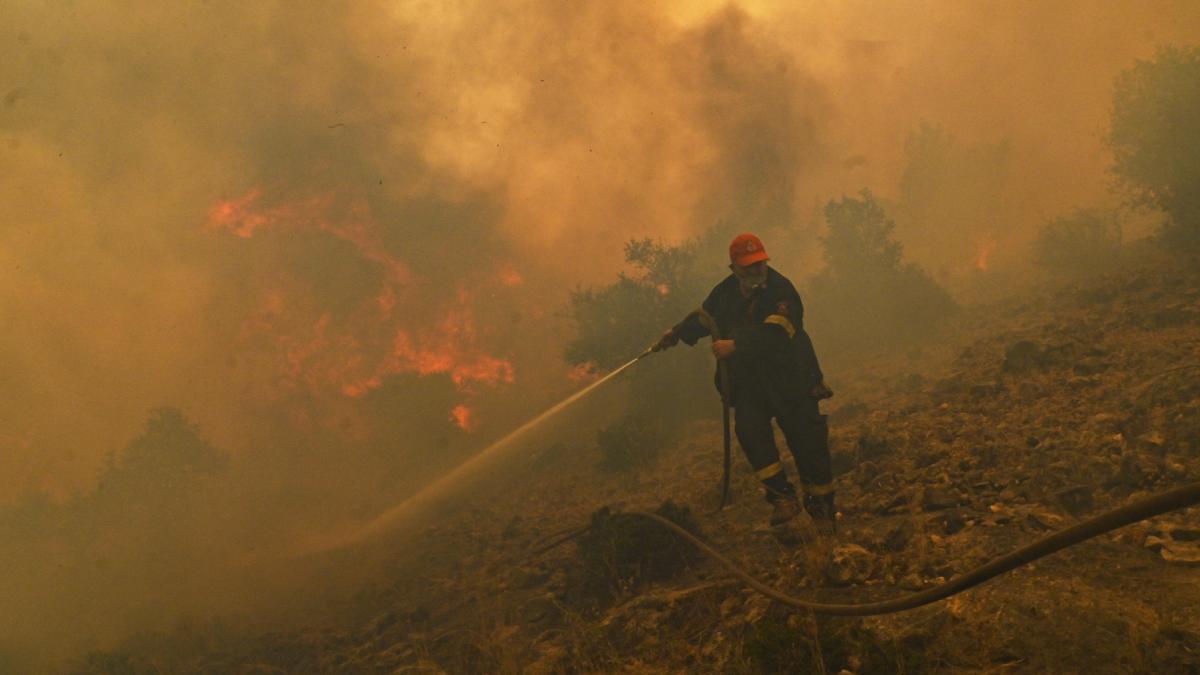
527 139
354 224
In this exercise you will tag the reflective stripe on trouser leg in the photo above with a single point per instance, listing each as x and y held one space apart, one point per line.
769 471
754 433
818 490
807 434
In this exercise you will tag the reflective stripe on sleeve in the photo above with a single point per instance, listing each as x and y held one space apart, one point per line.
784 322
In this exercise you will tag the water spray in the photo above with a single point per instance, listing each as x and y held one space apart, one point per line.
419 503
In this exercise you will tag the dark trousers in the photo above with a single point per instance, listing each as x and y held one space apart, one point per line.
807 435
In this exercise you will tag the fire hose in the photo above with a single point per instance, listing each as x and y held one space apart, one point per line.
1165 502
1150 507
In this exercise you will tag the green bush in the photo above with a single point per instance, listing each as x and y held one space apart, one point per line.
616 322
1084 242
1155 140
631 443
866 293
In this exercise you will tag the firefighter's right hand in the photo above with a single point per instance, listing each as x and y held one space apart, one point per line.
669 339
821 391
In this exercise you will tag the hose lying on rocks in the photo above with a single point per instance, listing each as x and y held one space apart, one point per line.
1156 505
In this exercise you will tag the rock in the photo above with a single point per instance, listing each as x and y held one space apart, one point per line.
842 462
1134 472
988 456
512 529
542 611
1079 382
1176 466
1152 440
1046 520
908 384
1001 514
898 536
949 387
729 604
926 459
1022 357
528 577
937 498
1155 543
1076 500
872 446
1029 391
1056 355
551 659
850 564
848 412
1185 533
867 472
1169 318
896 502
949 522
1090 366
1180 553
1105 423
986 389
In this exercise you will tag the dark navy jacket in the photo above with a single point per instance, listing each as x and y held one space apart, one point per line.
774 365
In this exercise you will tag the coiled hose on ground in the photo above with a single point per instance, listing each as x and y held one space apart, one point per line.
1165 502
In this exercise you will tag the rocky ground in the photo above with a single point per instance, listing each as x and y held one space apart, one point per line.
1026 417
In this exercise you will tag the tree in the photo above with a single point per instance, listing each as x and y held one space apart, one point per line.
1155 139
952 196
169 455
617 321
1083 242
860 238
866 293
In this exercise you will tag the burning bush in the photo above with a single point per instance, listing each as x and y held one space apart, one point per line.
1085 242
865 291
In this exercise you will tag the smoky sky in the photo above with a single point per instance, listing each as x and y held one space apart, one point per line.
216 205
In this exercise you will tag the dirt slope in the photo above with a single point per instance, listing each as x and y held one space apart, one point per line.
1026 416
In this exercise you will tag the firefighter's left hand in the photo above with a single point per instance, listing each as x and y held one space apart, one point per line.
723 349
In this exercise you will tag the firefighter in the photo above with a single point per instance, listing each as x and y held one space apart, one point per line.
773 374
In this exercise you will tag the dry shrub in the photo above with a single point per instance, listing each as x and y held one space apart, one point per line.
622 552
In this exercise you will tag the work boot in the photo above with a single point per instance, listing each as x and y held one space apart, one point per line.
786 508
824 515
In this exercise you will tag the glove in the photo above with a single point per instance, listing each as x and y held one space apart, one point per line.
669 339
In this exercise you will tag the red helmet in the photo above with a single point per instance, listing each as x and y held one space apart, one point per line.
747 249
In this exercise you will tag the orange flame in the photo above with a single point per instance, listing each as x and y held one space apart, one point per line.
508 275
244 216
584 373
355 354
984 254
463 417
